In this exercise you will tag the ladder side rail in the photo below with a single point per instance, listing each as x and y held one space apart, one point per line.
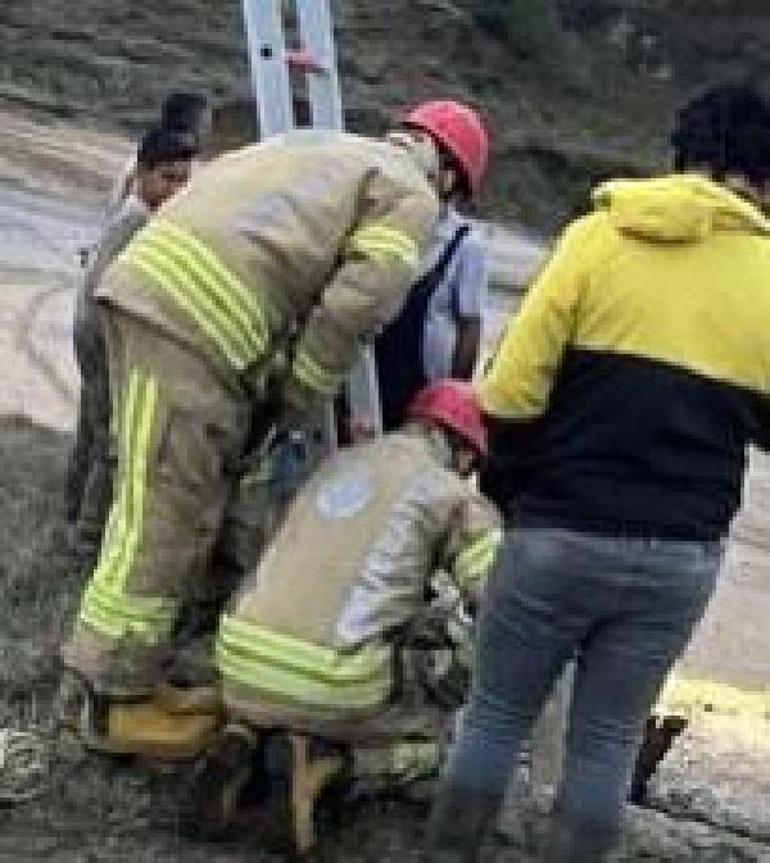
363 390
272 85
267 57
317 35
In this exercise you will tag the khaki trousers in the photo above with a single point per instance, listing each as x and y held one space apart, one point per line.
179 430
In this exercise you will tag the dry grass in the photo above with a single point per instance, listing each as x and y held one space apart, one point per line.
562 114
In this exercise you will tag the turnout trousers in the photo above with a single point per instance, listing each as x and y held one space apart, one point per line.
179 430
89 470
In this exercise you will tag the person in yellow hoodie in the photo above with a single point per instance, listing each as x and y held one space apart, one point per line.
622 399
239 306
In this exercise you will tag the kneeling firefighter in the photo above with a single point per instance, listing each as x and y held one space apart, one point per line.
239 307
353 627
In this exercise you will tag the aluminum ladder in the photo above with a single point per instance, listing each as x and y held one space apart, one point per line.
313 64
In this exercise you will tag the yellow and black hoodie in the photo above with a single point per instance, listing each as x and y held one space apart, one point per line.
624 393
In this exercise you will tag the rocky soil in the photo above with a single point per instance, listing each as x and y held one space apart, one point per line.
566 108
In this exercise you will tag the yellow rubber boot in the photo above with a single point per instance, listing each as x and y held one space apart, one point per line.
150 729
197 699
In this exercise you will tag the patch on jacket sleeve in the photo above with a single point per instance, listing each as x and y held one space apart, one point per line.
347 494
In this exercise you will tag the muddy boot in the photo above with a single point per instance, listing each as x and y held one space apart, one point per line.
162 727
149 729
79 710
220 780
457 826
577 842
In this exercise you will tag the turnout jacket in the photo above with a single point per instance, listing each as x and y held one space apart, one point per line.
638 368
311 238
312 634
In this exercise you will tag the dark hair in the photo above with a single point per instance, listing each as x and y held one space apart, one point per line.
160 145
183 111
462 190
234 123
727 129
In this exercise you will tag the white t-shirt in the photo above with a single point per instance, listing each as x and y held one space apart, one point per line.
463 290
122 188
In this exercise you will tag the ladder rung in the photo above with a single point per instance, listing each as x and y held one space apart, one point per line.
305 61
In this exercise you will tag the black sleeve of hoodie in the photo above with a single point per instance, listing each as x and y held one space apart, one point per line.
506 470
760 432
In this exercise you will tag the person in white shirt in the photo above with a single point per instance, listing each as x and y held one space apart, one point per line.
163 167
452 334
438 332
183 113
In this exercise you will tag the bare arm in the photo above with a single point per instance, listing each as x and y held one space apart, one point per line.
466 348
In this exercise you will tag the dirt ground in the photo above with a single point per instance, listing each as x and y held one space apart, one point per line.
713 796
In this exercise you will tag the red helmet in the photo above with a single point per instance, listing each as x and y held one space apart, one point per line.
454 405
460 130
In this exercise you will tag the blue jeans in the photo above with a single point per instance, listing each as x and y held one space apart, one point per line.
627 608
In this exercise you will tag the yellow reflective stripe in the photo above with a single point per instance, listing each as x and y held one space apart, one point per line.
383 252
139 458
188 270
476 558
174 278
386 237
477 570
139 609
314 376
112 546
279 685
242 296
106 605
382 243
193 310
313 659
117 628
381 255
230 290
123 514
215 317
115 614
219 303
411 759
285 684
103 625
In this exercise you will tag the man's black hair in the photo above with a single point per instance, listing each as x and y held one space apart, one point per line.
727 130
160 145
183 111
462 191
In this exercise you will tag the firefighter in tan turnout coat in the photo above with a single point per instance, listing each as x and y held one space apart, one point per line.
333 633
260 278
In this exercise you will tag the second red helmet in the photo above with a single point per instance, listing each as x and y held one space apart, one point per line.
459 129
454 405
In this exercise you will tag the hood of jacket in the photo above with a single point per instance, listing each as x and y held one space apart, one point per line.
678 208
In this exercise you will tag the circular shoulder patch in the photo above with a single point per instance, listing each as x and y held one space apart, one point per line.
346 494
